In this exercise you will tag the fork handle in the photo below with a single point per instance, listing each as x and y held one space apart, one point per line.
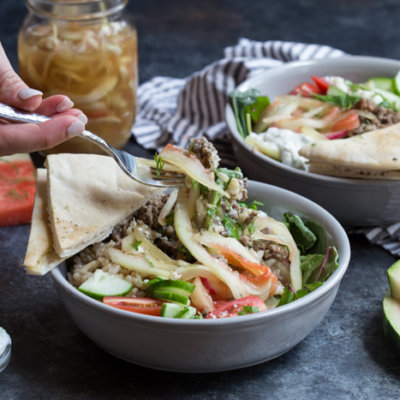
12 114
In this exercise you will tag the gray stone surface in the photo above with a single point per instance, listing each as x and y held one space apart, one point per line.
345 357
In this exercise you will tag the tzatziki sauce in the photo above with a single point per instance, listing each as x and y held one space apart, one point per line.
287 143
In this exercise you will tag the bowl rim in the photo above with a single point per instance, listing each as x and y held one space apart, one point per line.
334 227
317 178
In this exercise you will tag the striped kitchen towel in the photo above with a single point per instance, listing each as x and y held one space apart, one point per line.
174 110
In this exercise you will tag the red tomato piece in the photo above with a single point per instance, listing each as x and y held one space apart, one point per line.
346 122
17 189
322 84
142 305
305 89
226 309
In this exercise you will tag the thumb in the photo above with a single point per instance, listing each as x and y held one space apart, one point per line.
13 90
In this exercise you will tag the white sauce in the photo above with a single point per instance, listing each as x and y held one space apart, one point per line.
287 143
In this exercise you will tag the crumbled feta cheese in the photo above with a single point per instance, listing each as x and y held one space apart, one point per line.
339 82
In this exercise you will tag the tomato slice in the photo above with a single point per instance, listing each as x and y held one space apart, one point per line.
142 305
346 122
305 89
322 84
226 309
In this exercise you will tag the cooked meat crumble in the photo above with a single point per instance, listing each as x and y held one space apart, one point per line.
379 117
205 151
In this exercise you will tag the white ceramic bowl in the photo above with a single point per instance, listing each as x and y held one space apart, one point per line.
354 202
212 345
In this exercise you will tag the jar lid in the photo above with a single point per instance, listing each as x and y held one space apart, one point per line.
5 349
76 9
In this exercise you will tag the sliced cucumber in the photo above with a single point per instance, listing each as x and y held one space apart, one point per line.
394 280
170 296
391 320
104 284
390 97
171 310
182 288
382 83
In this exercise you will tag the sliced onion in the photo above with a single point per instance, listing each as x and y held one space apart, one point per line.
200 297
168 206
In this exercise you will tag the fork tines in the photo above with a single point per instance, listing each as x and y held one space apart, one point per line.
167 177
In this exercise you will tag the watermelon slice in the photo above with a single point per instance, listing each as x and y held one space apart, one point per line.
17 189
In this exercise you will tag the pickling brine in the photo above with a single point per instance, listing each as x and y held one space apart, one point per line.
91 58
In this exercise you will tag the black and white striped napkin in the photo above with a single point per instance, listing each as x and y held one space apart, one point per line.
174 110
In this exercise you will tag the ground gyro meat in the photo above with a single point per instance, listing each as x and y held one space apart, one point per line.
270 249
375 117
205 152
149 213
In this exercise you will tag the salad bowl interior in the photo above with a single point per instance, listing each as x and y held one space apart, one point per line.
212 345
354 202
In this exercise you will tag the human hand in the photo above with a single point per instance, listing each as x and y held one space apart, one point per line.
65 121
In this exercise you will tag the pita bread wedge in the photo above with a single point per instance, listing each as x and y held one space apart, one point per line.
87 196
40 257
372 155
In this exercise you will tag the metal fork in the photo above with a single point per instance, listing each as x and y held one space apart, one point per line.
128 163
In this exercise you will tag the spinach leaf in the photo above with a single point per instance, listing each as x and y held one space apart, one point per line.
290 295
320 245
247 103
318 267
309 236
302 235
255 109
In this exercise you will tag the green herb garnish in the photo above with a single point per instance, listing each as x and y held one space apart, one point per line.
231 226
149 261
249 310
136 245
169 219
253 205
338 97
252 227
159 164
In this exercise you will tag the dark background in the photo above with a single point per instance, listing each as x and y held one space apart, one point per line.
178 37
345 357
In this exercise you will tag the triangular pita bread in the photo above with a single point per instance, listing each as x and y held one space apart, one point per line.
371 155
40 257
87 196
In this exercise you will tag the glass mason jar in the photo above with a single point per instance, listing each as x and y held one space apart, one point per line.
85 49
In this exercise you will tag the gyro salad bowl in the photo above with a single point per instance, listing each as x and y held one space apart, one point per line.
326 129
219 274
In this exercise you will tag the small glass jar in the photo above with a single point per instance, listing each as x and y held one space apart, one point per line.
85 49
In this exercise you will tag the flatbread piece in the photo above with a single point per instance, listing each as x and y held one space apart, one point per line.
371 155
40 257
87 196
